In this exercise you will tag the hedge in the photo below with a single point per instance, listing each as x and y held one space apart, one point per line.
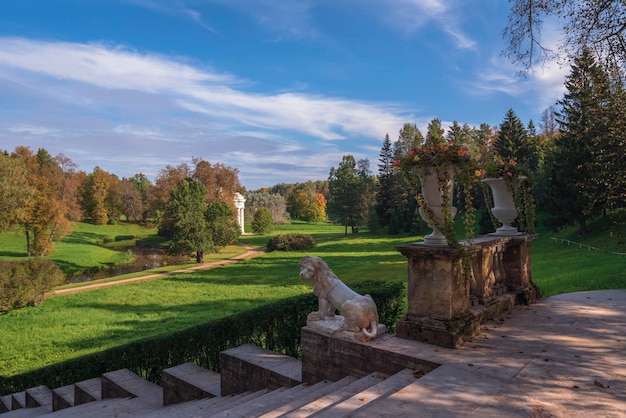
275 327
290 242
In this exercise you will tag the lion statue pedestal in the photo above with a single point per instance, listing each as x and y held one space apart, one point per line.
360 316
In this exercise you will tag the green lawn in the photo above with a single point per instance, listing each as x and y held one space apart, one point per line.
88 246
72 325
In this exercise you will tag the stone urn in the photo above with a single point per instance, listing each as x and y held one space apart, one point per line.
433 195
504 209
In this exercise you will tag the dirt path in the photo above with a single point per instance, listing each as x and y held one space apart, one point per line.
250 253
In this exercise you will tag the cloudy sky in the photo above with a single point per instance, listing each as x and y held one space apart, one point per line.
279 89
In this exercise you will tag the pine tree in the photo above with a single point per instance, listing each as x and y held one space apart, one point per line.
348 193
385 179
574 188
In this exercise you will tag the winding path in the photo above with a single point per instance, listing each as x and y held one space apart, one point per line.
250 253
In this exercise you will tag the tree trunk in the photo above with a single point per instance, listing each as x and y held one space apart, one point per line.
582 226
27 243
199 257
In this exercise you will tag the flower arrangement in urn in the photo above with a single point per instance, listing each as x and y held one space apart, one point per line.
512 195
431 169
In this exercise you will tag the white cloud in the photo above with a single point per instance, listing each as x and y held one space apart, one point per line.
33 130
195 89
128 111
408 16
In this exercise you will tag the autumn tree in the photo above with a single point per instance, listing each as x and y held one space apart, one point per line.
99 197
167 179
142 184
15 191
311 205
131 200
43 216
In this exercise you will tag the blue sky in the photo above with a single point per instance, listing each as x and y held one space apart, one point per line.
280 89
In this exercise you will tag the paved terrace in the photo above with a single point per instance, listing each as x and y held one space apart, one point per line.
564 356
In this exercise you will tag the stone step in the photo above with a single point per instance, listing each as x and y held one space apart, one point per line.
340 395
437 387
125 384
87 391
200 407
315 392
188 382
271 401
252 368
5 403
39 396
63 397
26 412
370 395
253 407
115 407
18 400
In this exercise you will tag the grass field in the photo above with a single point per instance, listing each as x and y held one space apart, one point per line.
73 325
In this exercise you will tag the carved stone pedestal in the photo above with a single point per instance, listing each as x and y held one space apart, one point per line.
445 307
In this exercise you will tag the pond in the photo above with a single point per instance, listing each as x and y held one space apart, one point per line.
143 258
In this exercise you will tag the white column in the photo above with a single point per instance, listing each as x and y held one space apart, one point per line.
240 204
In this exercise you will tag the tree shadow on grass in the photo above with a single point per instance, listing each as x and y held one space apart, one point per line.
84 238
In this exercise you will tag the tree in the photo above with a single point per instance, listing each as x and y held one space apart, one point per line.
274 202
549 127
435 133
222 225
262 223
142 184
574 190
385 179
131 200
15 191
187 212
99 197
42 216
311 206
347 194
596 26
514 142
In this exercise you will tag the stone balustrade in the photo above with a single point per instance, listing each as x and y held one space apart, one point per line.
446 305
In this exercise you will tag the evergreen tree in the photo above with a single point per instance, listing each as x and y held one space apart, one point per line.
385 179
262 223
187 212
435 133
222 225
347 194
512 137
574 191
409 137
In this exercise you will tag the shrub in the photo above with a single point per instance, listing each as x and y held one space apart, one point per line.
262 223
275 326
289 242
25 283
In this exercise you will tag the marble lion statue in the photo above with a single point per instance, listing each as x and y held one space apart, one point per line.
359 312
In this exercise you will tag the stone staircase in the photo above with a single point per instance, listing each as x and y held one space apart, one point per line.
254 383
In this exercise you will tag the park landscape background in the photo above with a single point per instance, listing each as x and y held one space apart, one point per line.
82 225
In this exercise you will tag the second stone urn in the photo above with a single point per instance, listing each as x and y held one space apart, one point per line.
504 209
